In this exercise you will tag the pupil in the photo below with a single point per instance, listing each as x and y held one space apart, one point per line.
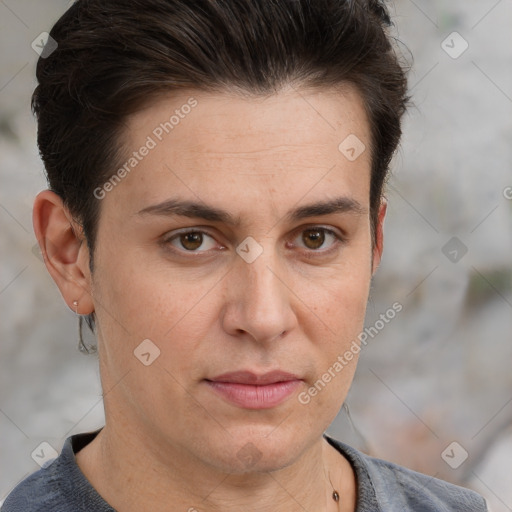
196 238
317 237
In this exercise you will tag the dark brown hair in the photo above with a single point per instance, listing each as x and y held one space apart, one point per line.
116 56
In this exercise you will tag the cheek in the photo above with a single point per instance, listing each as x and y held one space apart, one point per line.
340 305
341 299
138 300
138 303
135 293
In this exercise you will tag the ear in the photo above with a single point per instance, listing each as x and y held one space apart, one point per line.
379 235
64 250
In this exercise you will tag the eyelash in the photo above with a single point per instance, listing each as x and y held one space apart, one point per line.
308 253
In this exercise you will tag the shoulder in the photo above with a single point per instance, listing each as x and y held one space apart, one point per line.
59 486
411 490
396 488
38 492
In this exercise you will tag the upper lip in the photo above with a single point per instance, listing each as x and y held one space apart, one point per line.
246 377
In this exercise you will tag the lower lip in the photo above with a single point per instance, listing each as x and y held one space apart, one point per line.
251 396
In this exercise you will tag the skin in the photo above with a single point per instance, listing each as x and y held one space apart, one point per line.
170 443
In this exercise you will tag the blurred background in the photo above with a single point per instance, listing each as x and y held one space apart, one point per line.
433 389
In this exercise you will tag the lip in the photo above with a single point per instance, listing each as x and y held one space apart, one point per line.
249 390
247 377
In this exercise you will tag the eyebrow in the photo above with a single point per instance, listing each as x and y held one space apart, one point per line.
185 208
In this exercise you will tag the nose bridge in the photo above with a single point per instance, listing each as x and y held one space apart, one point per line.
262 285
262 299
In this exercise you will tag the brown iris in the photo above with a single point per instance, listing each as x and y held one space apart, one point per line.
315 236
191 241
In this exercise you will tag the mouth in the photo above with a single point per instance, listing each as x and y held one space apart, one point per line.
249 390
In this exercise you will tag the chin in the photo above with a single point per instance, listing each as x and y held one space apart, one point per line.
257 452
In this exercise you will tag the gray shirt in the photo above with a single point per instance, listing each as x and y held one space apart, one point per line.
382 486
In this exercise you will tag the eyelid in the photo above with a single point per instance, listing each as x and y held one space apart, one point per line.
338 234
176 233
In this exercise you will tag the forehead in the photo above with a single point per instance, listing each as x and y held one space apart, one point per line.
296 114
216 143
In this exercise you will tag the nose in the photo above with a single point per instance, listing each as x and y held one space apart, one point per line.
259 299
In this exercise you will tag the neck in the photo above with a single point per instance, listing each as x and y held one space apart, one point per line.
132 474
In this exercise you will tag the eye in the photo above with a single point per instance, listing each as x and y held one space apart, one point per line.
190 241
314 238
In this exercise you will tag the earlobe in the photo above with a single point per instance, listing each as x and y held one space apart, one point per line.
63 245
379 235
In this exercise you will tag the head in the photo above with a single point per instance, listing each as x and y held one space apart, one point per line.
253 112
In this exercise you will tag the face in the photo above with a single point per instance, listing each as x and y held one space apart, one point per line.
238 285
